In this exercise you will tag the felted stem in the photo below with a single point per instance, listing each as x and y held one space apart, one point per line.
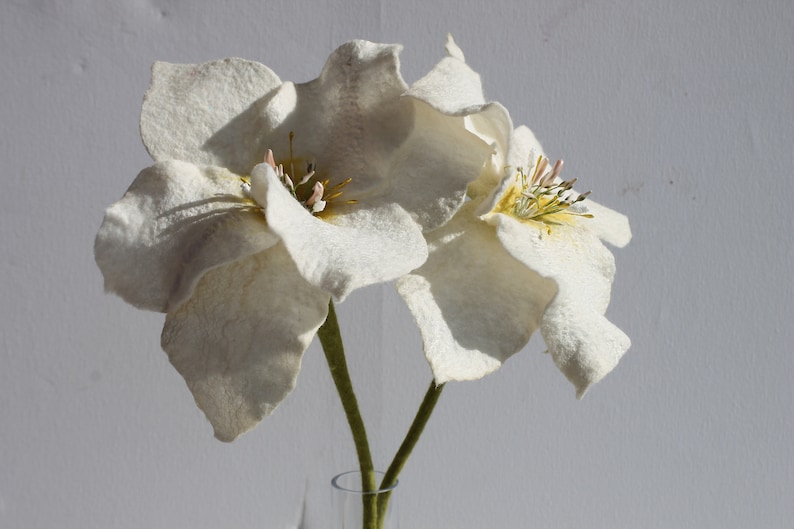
407 446
331 340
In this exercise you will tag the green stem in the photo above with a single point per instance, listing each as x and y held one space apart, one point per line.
407 446
331 340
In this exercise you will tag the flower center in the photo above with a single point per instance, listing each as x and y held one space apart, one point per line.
311 192
543 197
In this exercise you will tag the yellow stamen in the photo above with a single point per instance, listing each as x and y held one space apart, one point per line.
343 183
310 191
540 198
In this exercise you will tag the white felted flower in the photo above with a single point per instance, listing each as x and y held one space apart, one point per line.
523 254
243 247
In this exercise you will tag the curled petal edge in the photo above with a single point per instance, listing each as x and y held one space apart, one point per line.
238 342
176 221
340 253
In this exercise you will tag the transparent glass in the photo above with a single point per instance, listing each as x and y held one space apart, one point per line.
348 500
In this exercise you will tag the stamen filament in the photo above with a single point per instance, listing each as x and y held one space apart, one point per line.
343 183
291 157
541 196
314 199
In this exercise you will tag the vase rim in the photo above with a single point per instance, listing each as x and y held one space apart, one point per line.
336 485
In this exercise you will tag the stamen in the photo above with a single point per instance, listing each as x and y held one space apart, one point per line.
314 199
291 157
317 194
245 185
269 159
555 172
543 199
540 170
343 183
306 178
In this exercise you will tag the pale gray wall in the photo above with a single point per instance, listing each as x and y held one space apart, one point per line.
677 113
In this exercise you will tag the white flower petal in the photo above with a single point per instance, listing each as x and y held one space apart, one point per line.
430 172
174 223
454 89
583 343
453 50
208 113
608 224
342 252
524 148
475 305
349 120
238 342
451 87
494 126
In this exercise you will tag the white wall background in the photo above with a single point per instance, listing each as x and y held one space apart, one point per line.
680 114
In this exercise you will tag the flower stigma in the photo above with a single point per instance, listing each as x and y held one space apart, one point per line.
543 197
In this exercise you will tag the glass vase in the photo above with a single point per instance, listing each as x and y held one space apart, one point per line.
348 502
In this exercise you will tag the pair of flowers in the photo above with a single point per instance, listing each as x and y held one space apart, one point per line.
269 198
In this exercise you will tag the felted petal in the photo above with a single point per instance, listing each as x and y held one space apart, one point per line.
239 340
430 172
585 350
475 305
349 120
523 149
494 126
451 87
175 222
345 252
609 225
583 343
208 113
453 50
454 89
